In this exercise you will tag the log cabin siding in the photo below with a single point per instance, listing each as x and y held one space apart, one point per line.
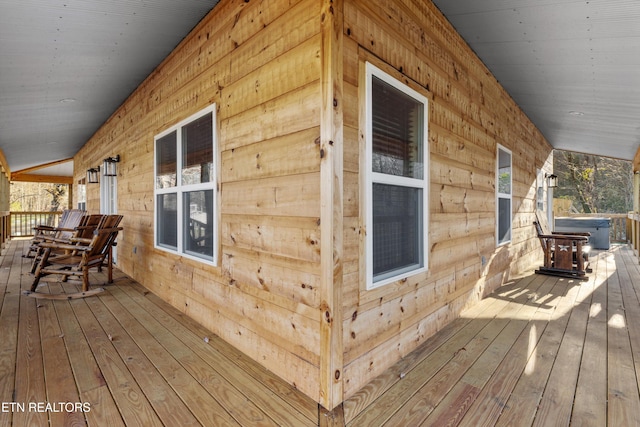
288 288
469 114
259 62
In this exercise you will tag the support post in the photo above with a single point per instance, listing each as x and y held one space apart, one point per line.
331 210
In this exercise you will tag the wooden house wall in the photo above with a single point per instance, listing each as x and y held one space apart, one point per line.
469 114
260 63
273 69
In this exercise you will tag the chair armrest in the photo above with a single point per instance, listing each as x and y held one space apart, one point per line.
108 230
570 233
82 240
65 246
51 230
53 239
43 227
564 237
52 236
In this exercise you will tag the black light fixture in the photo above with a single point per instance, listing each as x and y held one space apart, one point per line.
109 166
552 180
93 175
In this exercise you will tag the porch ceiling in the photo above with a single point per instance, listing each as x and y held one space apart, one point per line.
67 65
571 65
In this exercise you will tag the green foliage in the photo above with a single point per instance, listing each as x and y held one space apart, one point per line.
595 184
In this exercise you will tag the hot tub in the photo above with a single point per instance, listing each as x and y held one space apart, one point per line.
597 226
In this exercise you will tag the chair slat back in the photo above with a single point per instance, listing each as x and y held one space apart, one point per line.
542 228
69 220
89 224
543 223
104 236
73 216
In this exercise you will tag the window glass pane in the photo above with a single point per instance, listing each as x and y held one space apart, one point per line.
82 194
504 172
504 220
397 230
397 130
185 187
198 212
197 151
166 159
540 191
167 226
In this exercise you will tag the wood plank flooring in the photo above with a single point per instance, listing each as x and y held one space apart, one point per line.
125 357
540 351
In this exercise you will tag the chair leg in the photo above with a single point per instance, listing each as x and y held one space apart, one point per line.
34 285
109 267
38 269
36 260
85 279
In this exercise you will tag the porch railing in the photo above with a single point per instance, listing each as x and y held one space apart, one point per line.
624 227
5 228
617 227
22 223
633 230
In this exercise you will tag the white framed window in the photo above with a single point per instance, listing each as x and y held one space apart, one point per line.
185 187
544 196
109 203
396 199
503 196
109 195
82 194
540 190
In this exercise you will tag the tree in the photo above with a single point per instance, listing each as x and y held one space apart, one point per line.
57 192
38 197
595 184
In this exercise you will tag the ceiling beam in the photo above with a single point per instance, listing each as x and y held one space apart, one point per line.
25 175
52 179
42 166
4 166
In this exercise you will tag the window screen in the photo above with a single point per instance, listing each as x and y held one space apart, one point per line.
166 157
197 151
503 189
397 185
198 235
397 228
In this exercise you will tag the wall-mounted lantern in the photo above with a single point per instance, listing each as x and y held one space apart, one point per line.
552 180
109 166
93 175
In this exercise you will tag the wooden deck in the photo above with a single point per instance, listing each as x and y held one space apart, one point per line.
541 351
130 358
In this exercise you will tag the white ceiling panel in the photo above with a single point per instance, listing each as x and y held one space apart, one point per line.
572 66
66 66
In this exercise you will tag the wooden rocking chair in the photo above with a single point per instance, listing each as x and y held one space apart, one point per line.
82 254
69 220
84 231
565 254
